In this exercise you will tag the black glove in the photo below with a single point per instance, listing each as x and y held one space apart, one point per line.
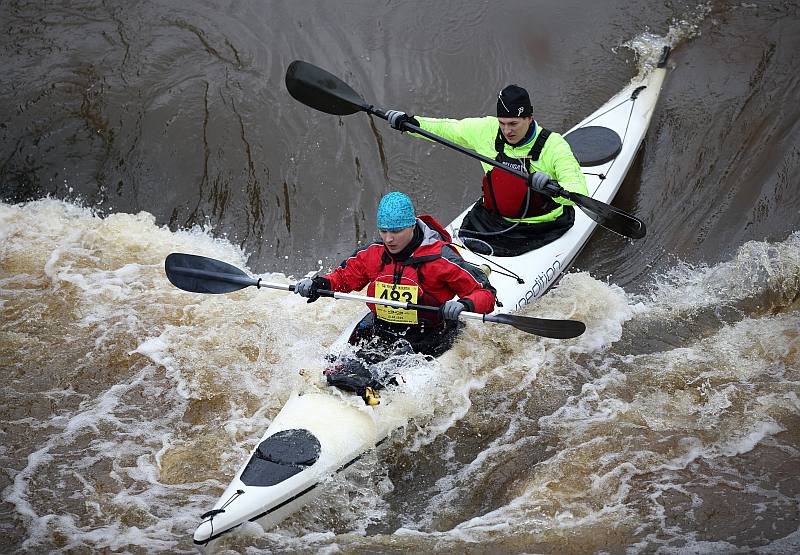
308 287
539 180
397 119
451 310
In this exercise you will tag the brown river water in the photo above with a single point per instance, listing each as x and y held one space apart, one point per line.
129 130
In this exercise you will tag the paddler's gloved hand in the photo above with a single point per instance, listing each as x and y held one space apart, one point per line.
451 310
308 287
538 181
397 119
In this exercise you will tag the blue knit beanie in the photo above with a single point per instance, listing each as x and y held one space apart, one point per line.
395 212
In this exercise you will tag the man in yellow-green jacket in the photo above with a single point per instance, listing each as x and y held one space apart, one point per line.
512 217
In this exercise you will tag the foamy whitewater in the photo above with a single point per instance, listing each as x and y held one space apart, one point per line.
672 426
131 403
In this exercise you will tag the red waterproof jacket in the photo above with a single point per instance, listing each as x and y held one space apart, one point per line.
432 275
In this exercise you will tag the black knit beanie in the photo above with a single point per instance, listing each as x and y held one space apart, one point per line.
514 102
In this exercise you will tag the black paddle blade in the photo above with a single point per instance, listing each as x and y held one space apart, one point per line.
321 90
609 217
199 274
555 329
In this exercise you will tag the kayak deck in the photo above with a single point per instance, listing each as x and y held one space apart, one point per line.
324 427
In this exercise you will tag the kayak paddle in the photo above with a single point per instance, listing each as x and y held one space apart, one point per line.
199 274
323 91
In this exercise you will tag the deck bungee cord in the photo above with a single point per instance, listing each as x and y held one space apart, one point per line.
503 271
209 515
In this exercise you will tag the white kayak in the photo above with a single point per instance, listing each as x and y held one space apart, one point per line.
316 435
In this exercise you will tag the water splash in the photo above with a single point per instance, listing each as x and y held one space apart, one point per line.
155 396
648 46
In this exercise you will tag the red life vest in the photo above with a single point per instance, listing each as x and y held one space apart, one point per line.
505 193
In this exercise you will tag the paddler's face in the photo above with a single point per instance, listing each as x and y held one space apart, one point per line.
395 241
514 129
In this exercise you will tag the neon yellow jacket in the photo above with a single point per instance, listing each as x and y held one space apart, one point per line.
479 135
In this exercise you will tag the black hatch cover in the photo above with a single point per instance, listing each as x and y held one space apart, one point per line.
281 456
594 145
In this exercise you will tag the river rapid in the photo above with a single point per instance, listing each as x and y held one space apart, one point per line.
132 130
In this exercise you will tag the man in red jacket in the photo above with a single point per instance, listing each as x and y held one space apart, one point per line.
413 262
